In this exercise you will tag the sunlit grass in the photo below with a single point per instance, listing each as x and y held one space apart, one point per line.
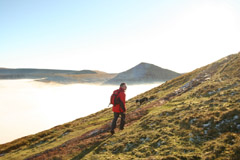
201 123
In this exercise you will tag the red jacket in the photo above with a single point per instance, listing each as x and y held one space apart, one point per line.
118 108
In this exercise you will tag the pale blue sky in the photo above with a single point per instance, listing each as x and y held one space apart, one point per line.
113 36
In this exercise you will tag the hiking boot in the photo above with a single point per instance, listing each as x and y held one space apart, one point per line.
112 132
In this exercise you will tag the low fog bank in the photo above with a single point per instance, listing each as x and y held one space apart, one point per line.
28 107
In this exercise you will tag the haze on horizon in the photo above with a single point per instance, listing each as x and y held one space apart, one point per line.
113 36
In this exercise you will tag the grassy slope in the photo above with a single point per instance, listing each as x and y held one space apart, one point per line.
198 121
202 123
199 124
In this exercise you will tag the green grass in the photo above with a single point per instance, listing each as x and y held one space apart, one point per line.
201 123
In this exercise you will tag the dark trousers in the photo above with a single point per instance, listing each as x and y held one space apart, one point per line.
116 115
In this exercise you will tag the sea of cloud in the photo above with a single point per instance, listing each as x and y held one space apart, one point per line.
28 107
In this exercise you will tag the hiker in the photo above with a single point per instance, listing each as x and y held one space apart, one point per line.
119 107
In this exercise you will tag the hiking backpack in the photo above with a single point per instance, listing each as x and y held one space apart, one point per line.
114 98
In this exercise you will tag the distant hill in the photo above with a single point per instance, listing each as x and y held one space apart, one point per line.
195 116
42 71
56 76
143 73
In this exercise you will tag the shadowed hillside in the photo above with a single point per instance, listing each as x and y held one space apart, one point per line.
143 73
192 117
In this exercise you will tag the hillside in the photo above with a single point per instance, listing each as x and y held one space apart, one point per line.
143 73
192 117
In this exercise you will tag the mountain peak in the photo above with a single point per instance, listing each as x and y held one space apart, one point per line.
144 63
143 73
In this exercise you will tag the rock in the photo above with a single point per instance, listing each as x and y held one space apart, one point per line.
235 117
192 120
205 131
211 93
2 154
65 133
93 132
128 147
191 139
143 140
238 126
158 143
207 124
